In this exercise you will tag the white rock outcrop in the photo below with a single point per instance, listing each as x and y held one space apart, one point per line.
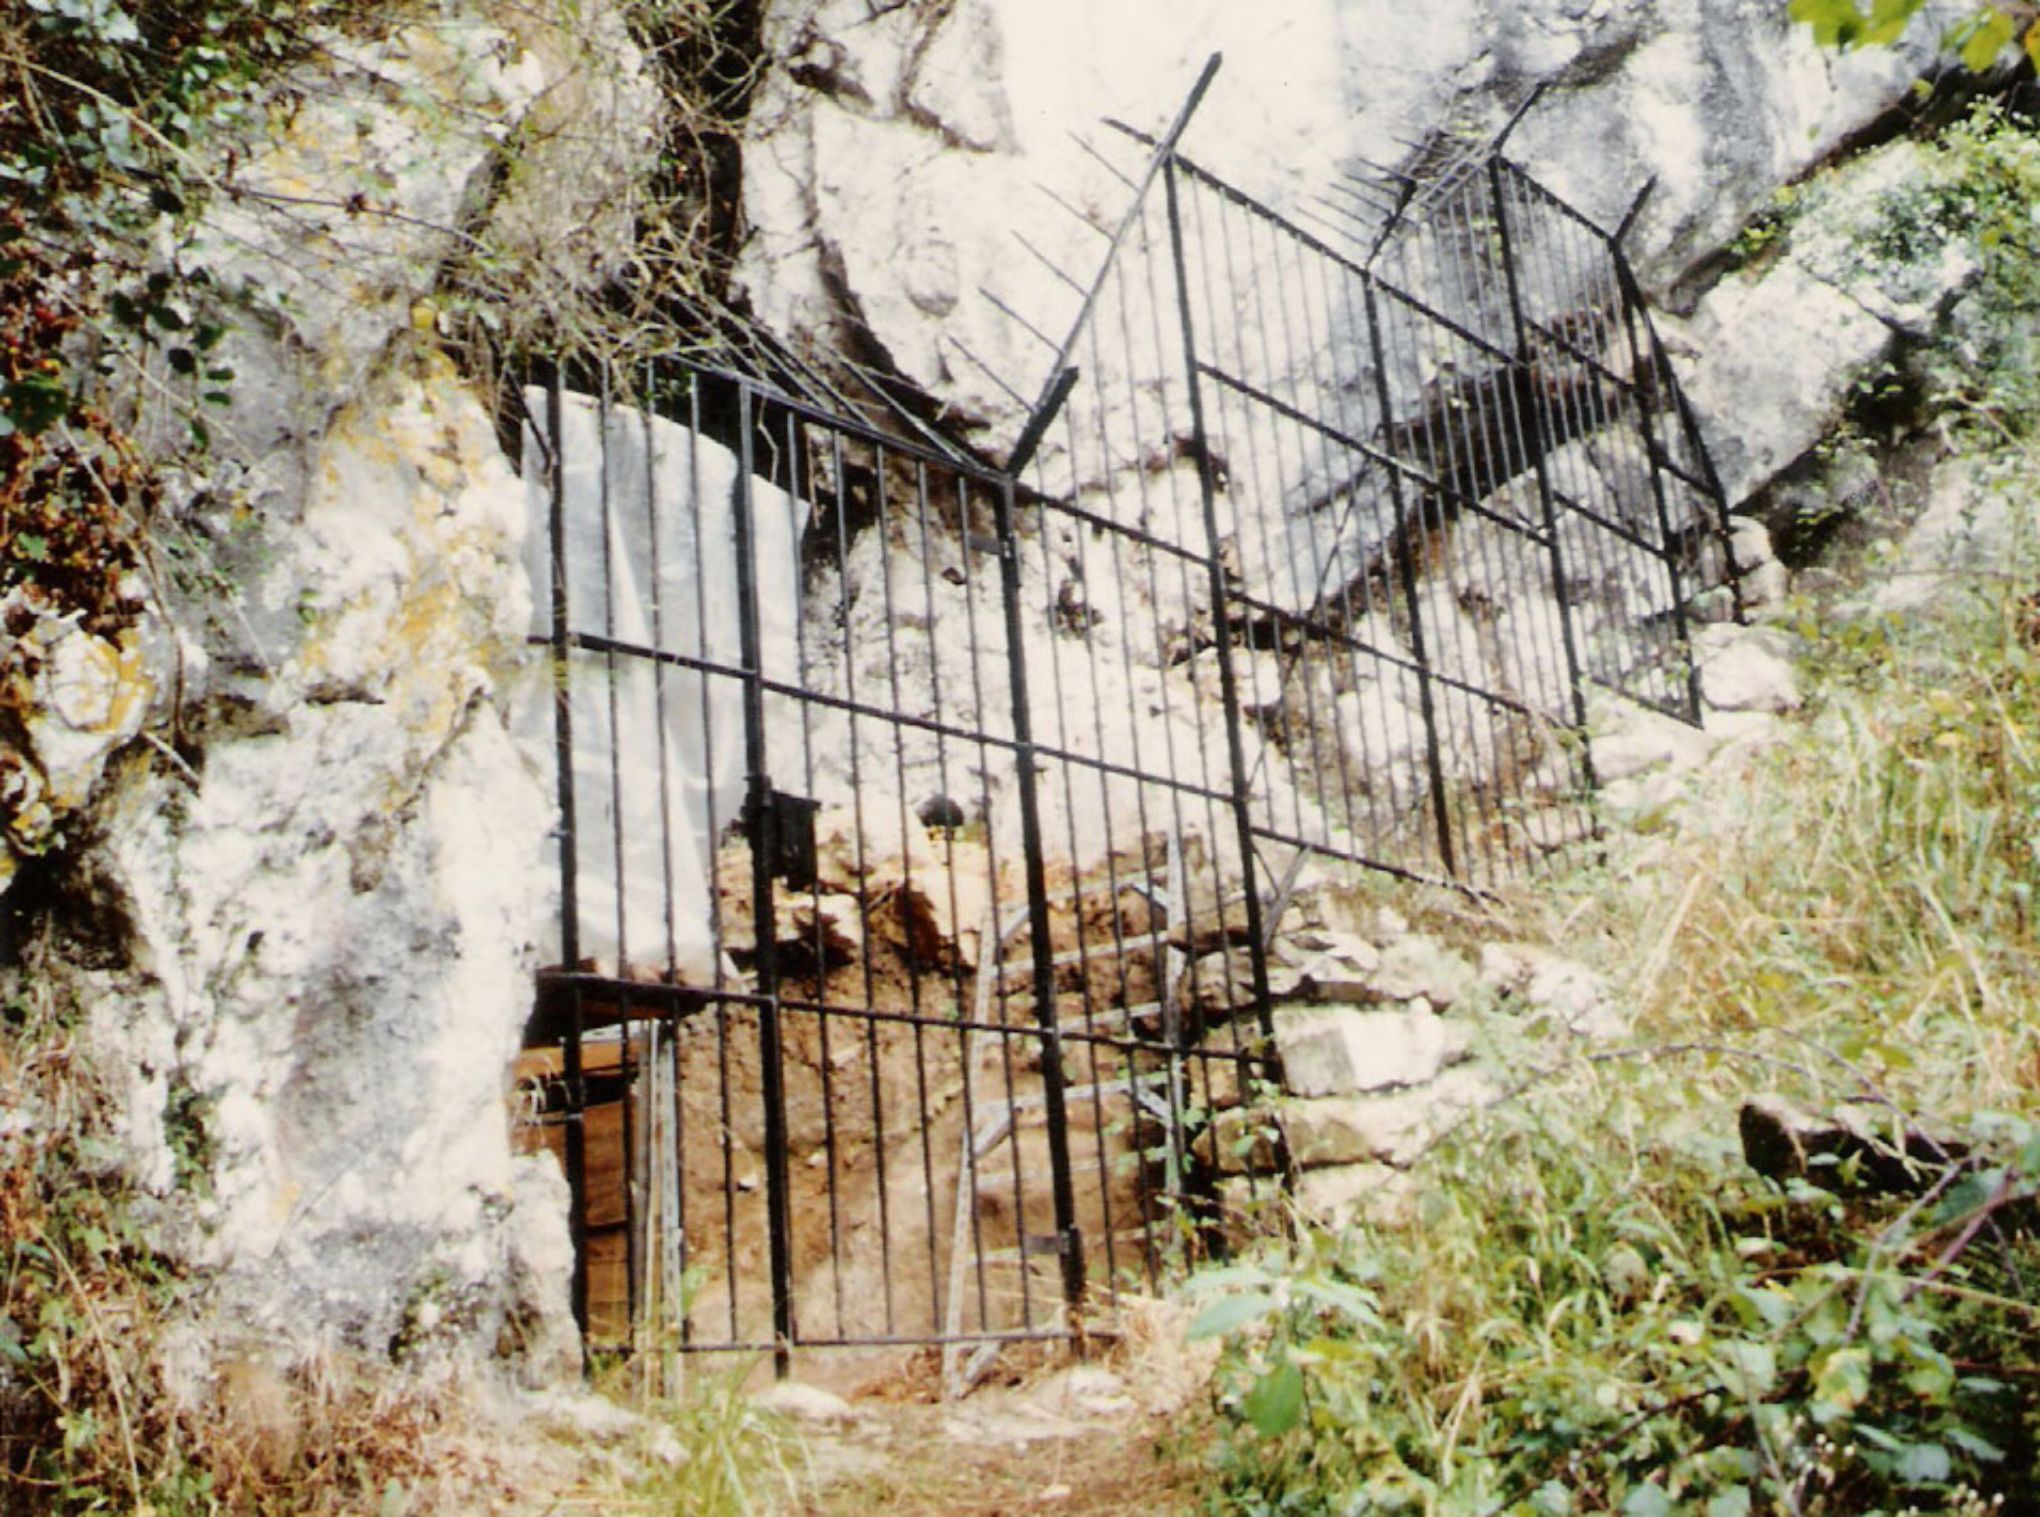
331 928
74 698
894 152
1769 357
305 934
1969 526
1328 1050
1747 668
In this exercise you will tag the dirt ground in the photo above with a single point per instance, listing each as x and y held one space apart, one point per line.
1104 1435
1042 1434
1103 1471
1055 1440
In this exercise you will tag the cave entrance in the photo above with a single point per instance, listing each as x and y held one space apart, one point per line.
927 826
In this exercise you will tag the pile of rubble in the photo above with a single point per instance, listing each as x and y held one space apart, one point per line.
1380 1031
1388 1038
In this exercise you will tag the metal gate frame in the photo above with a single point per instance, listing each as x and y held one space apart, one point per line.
1532 283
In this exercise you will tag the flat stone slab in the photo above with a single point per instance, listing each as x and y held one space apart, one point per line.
1330 965
1746 668
1353 1193
1342 1050
1386 1129
805 1403
1414 966
1542 981
1223 982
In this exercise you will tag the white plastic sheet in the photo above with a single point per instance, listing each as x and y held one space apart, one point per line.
648 519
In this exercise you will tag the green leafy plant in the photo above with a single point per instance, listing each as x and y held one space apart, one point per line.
1553 1336
1979 39
1985 369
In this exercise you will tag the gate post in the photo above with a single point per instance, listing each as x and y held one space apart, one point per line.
1625 282
1634 309
575 1135
763 829
1069 1240
1228 679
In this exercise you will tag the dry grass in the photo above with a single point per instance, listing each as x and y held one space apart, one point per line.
1859 920
1847 921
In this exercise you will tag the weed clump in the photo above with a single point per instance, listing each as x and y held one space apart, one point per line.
90 1419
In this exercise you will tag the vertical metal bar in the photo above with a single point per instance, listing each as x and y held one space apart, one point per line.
631 1139
1567 634
1060 1185
1228 680
1068 734
577 1159
1164 153
563 724
654 523
1406 555
826 1065
763 845
575 1134
681 1244
627 1151
1633 293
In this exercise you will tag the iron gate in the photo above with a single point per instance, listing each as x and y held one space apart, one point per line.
964 1070
926 824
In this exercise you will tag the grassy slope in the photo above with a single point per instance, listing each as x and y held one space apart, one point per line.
1599 1307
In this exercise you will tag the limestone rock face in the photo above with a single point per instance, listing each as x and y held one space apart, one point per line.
894 151
1969 524
74 698
1769 355
307 906
331 916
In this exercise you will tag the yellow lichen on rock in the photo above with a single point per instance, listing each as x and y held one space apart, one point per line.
411 536
75 698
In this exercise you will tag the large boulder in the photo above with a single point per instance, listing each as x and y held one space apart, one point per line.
1773 352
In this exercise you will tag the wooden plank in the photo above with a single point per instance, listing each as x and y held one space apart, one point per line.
603 1154
597 1057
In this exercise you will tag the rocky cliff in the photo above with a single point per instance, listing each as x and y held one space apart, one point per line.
269 836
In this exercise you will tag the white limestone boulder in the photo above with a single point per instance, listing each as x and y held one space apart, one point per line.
1747 668
1339 1050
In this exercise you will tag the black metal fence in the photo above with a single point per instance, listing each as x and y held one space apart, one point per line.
1439 471
926 823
